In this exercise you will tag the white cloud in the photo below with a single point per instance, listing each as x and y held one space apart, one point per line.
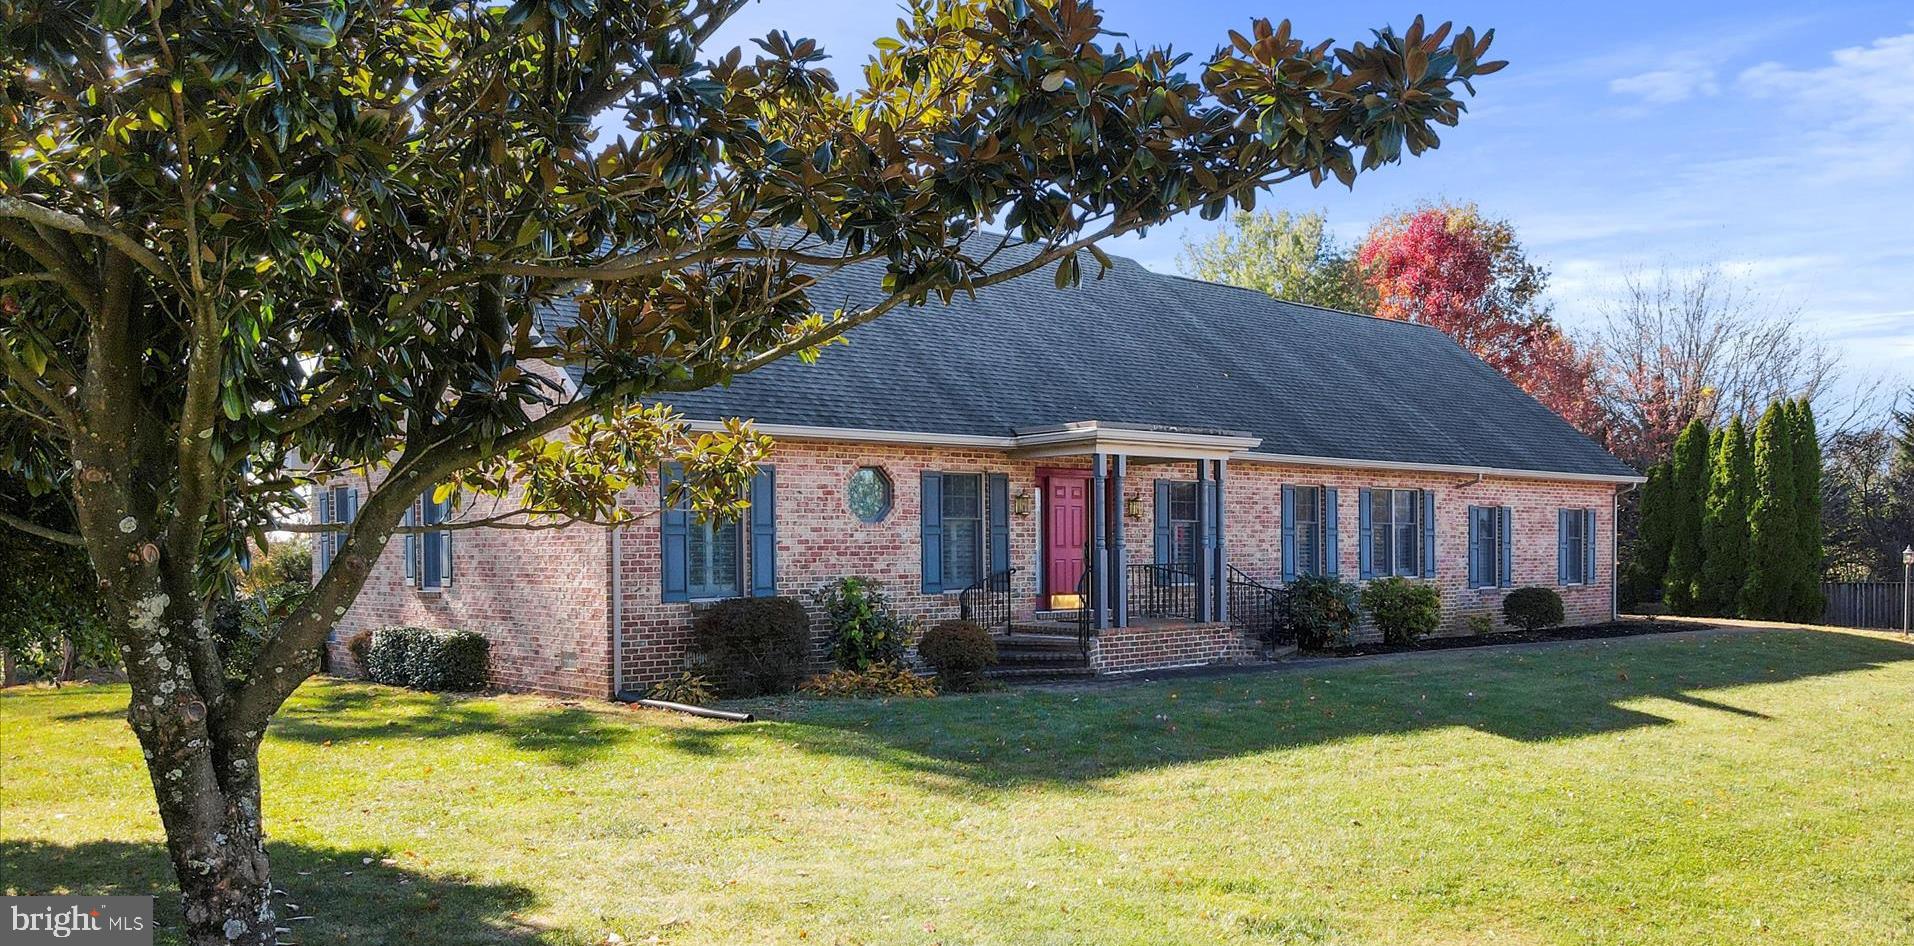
1852 113
1668 86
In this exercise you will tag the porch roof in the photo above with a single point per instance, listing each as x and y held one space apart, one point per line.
1165 443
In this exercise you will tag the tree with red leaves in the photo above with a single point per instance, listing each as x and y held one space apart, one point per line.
1450 267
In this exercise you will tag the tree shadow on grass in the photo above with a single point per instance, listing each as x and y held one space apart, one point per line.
1077 736
343 899
568 736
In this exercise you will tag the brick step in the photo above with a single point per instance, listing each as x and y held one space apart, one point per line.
1026 642
1021 674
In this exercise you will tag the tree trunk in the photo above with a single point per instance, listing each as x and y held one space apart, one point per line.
218 849
69 657
6 666
205 777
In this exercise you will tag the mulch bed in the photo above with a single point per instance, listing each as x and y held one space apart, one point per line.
1584 633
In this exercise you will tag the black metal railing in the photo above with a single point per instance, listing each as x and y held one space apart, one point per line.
987 602
1161 591
1255 609
1086 615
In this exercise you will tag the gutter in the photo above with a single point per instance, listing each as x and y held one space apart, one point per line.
1014 442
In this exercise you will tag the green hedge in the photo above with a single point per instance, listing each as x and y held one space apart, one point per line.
752 646
1532 609
1404 611
425 659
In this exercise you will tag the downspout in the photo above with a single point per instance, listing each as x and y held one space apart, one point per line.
1615 551
617 613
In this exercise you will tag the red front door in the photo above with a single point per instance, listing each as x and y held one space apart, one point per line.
1066 518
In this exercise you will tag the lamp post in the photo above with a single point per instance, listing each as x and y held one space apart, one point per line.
1907 589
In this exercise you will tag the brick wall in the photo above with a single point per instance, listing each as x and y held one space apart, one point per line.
1126 649
540 597
819 540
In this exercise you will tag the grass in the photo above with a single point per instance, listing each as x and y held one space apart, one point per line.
1729 788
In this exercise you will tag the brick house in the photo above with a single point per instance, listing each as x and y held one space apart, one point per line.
1113 477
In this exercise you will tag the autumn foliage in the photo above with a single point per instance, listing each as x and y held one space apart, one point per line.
1451 268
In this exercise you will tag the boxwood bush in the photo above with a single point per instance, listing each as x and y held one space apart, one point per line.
1320 611
1404 610
425 659
960 652
752 646
1532 609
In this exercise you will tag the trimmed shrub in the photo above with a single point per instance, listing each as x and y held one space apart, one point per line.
880 680
959 651
1481 623
864 630
689 688
1320 611
1404 610
425 659
389 658
752 646
1532 609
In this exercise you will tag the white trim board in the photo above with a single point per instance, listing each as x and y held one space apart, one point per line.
1244 455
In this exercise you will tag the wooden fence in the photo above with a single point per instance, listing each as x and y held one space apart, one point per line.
1874 604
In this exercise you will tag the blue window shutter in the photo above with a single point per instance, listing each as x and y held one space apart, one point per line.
764 533
323 547
445 544
1162 522
1505 527
1289 533
1561 545
1475 546
411 545
1363 535
997 485
931 536
1332 535
1588 546
1428 533
674 522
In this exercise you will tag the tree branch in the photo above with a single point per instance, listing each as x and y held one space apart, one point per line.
40 531
100 229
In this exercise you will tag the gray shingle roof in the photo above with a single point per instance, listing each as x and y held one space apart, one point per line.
1140 348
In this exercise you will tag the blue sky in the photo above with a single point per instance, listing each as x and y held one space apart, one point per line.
1775 140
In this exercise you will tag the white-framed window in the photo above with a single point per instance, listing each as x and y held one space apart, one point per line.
1395 532
1309 531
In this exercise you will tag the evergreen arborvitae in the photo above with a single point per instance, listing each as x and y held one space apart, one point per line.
1806 603
1648 556
1724 524
1689 487
1772 549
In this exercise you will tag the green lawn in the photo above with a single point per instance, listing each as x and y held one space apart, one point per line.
1720 788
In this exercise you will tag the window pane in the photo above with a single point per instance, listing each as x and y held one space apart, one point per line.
960 552
1183 547
724 558
1405 563
1308 530
1484 551
1183 502
963 497
698 555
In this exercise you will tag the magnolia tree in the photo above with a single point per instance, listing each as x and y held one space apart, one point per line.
243 249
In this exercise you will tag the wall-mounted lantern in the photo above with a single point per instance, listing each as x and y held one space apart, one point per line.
1133 506
1020 504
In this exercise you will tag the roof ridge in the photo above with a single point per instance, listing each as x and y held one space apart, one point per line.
1295 302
